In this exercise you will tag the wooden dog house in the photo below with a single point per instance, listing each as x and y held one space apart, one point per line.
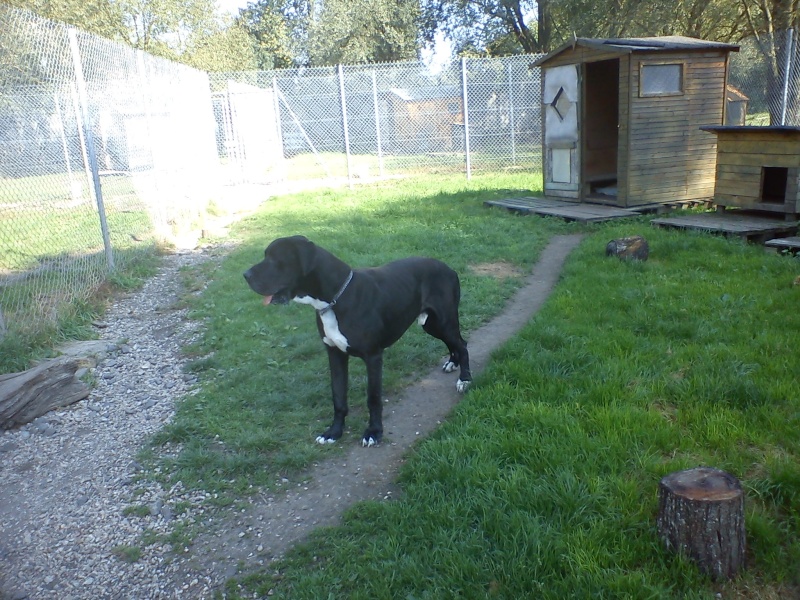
622 119
758 168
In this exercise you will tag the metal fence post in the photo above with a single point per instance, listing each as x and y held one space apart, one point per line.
466 116
84 102
787 74
344 125
377 122
279 128
511 115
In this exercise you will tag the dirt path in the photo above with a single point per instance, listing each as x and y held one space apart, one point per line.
272 524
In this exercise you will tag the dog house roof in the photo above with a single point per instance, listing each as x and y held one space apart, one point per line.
643 44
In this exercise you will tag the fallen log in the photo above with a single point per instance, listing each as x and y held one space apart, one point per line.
701 515
32 393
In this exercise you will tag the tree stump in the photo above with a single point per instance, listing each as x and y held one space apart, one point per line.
32 393
634 247
701 514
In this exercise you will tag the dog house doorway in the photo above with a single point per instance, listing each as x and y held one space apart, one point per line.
600 130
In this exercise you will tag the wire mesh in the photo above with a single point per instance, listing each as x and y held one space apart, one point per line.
364 121
88 124
765 80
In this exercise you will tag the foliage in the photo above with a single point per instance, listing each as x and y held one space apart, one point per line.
717 20
495 27
166 27
348 32
270 25
303 32
228 48
100 17
187 31
475 25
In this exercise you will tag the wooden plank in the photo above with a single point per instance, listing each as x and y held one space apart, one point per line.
750 204
739 187
757 134
789 244
760 147
761 160
743 170
731 223
571 211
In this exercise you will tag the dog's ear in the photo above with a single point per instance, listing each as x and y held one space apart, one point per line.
306 253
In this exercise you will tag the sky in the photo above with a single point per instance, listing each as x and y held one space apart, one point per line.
231 6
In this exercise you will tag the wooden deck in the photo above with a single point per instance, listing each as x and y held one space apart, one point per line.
753 227
571 211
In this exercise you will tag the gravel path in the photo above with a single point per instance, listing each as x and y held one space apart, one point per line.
68 480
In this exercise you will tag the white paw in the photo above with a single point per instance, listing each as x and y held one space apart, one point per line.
449 366
323 440
462 386
368 442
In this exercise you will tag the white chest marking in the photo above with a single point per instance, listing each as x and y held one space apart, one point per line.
333 337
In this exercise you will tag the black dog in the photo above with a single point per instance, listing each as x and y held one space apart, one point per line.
362 312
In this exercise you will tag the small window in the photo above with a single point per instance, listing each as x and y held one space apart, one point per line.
661 80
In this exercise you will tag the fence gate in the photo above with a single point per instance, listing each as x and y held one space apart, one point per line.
253 140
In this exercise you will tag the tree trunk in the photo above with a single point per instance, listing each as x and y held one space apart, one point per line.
30 394
634 247
701 514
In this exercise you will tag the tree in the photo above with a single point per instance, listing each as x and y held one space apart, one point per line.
95 16
366 31
705 19
769 21
478 24
230 48
165 27
496 27
272 26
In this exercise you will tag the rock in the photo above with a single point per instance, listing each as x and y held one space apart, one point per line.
634 247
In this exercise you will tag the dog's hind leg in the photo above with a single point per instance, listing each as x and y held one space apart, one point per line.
339 363
374 432
449 332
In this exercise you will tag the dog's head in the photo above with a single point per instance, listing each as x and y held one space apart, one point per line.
286 262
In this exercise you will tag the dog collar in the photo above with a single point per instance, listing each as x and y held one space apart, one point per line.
338 295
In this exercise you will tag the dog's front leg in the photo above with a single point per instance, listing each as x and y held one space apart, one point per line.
374 432
339 363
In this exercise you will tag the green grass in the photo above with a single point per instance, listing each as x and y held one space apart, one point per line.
52 254
543 482
44 310
305 166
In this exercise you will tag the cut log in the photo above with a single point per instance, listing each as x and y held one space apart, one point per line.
32 393
701 515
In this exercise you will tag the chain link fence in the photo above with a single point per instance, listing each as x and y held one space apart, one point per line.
764 80
104 152
364 121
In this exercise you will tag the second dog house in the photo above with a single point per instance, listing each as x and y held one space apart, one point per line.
622 119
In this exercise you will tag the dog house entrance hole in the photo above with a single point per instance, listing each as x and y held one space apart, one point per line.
773 184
